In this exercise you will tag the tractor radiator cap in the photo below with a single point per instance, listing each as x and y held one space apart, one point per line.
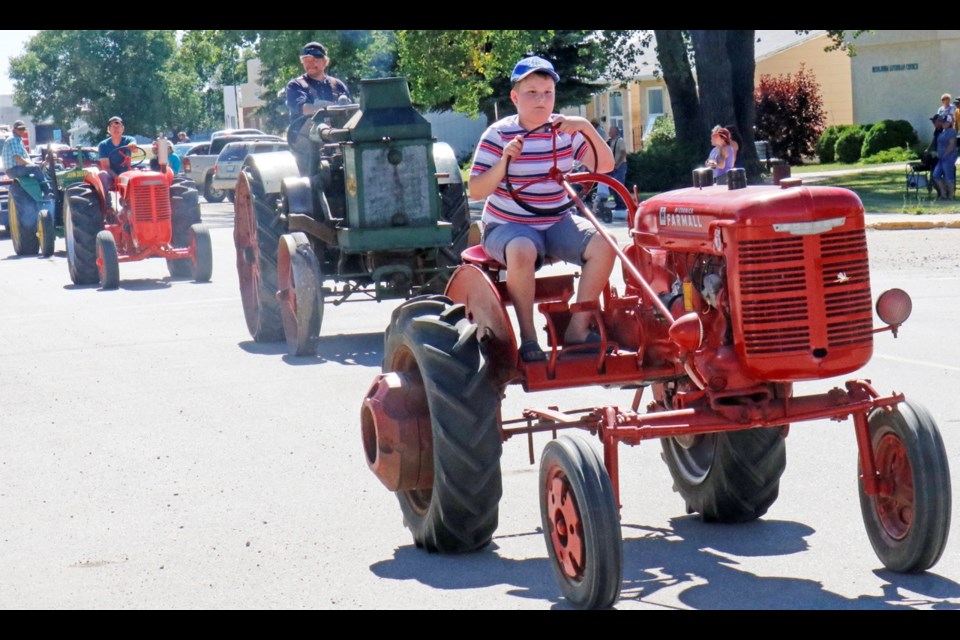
703 177
786 183
737 178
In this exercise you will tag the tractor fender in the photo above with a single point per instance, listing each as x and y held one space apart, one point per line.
272 168
448 170
297 196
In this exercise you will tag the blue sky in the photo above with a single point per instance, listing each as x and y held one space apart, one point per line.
11 44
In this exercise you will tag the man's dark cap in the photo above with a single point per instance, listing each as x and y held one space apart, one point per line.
115 119
314 49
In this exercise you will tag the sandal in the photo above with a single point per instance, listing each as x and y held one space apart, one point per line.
593 338
530 351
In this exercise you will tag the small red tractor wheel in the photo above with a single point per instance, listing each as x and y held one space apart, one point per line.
457 510
201 252
581 523
256 233
908 521
300 293
107 260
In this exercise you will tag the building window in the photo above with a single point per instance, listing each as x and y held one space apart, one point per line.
655 101
616 111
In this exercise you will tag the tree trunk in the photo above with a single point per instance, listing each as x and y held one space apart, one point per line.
681 87
713 75
741 52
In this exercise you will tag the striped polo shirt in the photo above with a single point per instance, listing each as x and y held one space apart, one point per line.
534 162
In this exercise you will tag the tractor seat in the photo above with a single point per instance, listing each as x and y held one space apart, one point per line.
476 255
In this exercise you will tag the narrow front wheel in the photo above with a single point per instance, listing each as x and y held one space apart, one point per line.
108 262
909 519
581 523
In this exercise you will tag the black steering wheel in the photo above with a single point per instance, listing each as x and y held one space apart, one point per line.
132 157
553 175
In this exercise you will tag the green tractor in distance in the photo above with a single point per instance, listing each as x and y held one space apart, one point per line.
367 203
36 217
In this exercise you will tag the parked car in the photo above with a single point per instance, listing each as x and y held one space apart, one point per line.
227 168
235 132
67 155
199 162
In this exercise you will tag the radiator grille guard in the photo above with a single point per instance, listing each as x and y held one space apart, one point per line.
150 214
804 302
395 189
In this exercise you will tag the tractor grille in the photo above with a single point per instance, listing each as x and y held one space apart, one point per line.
793 305
149 203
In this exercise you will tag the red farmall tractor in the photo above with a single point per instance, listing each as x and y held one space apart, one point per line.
149 214
733 293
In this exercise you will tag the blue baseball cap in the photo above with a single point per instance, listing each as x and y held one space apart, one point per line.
530 65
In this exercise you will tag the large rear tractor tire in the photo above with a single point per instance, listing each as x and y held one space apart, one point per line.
83 219
908 522
256 233
185 212
300 293
581 523
727 477
107 260
430 337
24 219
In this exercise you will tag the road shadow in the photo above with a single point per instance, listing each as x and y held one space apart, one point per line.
359 349
690 562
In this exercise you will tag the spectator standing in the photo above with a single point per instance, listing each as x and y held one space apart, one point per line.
619 150
182 137
736 141
721 155
945 173
947 107
599 127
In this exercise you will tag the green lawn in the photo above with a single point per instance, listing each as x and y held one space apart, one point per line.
886 192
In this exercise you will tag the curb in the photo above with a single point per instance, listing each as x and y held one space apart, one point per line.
905 224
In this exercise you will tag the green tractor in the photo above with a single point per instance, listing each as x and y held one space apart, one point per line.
36 215
367 203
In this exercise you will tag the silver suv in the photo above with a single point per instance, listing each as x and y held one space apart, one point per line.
230 160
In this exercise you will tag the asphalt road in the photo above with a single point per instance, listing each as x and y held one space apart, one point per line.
152 456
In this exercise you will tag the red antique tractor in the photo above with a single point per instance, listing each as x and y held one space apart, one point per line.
149 214
733 293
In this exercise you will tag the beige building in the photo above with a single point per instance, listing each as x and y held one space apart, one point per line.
635 107
900 75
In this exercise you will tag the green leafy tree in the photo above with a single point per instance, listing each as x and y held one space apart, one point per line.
790 114
468 71
94 74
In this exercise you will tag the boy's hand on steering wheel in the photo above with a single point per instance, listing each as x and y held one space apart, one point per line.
513 148
571 124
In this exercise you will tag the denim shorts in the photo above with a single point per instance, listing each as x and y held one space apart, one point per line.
564 240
